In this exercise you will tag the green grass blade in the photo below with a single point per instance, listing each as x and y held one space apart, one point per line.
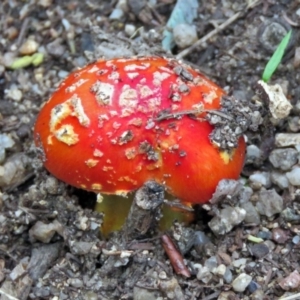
276 57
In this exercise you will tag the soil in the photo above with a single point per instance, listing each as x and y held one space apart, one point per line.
50 241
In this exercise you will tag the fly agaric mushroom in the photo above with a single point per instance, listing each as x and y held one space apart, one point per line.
115 124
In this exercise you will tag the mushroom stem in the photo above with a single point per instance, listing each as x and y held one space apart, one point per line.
145 211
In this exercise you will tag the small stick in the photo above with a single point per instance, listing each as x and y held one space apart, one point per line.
24 28
175 256
194 112
291 297
205 38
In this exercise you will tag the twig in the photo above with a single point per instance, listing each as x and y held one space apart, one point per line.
290 21
292 297
175 256
177 204
7 295
191 112
212 296
204 39
23 31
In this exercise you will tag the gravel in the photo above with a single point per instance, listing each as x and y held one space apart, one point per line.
244 244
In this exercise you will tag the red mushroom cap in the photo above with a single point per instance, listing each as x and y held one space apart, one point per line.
109 128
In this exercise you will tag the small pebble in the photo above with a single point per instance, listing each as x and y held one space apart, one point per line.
23 131
45 3
44 232
260 179
259 250
290 282
6 142
284 159
287 139
20 269
297 58
141 294
252 216
28 47
116 14
296 239
185 35
224 188
245 194
220 270
227 295
56 48
290 215
279 235
14 93
294 176
269 203
239 262
62 74
12 32
240 283
253 286
294 124
200 238
253 154
162 275
211 263
8 59
75 282
280 179
52 185
265 235
227 219
259 294
228 276
129 29
14 169
204 274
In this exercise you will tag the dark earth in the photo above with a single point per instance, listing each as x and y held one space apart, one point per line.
244 244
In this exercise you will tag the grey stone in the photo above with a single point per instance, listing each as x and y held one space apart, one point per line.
284 159
185 35
241 282
280 179
252 216
294 176
269 203
260 179
227 219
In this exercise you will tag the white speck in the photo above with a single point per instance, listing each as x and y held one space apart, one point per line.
101 119
113 113
71 107
134 67
128 97
165 69
210 97
59 113
78 111
98 153
144 91
67 135
153 103
75 85
114 76
133 75
158 77
93 69
103 92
